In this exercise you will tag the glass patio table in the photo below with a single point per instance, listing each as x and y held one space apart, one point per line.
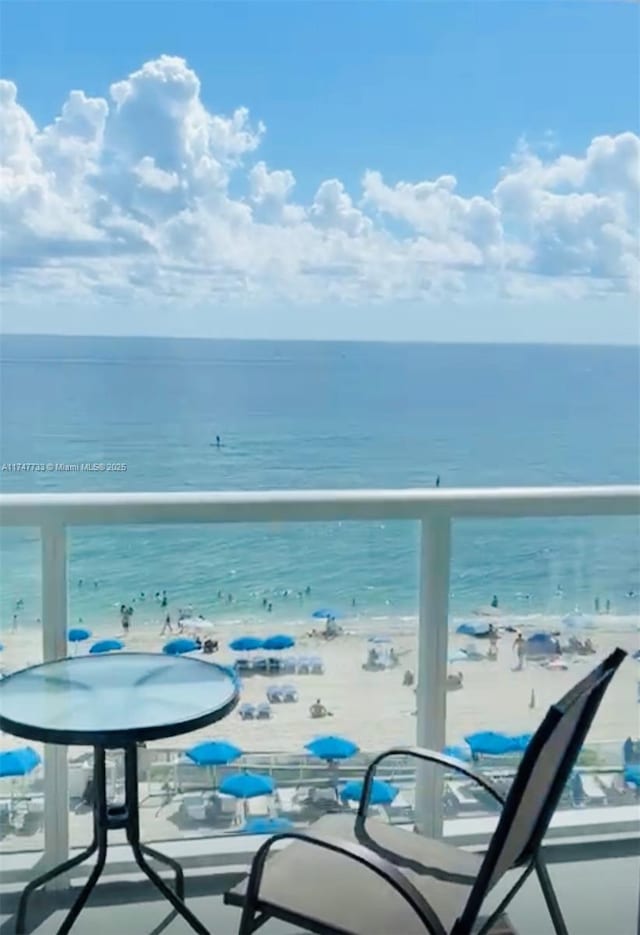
115 701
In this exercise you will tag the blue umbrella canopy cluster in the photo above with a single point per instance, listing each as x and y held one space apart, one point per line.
106 646
18 762
247 785
213 753
494 743
382 793
332 748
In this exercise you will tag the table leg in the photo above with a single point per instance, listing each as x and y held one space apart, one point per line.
98 844
176 898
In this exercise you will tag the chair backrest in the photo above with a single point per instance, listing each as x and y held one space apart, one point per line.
540 780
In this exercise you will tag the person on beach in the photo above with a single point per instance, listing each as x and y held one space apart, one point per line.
494 601
166 625
269 608
14 624
164 601
607 606
493 642
520 648
596 605
126 619
317 710
408 678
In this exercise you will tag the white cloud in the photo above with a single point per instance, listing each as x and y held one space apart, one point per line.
148 195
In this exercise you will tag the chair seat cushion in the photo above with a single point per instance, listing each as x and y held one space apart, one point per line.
324 889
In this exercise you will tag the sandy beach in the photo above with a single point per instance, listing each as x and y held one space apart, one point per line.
374 708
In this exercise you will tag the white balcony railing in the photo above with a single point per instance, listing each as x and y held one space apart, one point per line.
433 509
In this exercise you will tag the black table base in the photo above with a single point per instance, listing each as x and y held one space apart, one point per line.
110 818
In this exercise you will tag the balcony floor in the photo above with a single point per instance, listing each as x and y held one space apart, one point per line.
596 896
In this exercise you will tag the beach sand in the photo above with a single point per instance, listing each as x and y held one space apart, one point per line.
374 708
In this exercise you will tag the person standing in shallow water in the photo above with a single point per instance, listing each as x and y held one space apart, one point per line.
438 481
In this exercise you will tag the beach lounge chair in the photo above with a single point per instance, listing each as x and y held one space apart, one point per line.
263 711
289 664
382 878
304 665
242 666
289 693
593 791
247 711
275 694
316 665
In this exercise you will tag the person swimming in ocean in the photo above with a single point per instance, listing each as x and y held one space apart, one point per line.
494 601
218 442
438 480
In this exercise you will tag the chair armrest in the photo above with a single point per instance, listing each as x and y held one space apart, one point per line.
431 756
362 855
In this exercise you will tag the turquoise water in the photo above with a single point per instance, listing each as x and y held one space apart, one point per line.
318 415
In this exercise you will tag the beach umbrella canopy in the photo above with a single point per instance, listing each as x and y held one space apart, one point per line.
245 644
213 753
459 655
382 793
473 628
280 641
494 743
247 785
332 748
106 646
200 624
78 635
539 637
632 774
19 762
180 646
578 621
458 752
266 825
324 613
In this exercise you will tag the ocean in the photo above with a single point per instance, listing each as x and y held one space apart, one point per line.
320 415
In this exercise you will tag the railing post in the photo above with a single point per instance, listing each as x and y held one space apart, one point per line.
54 646
431 694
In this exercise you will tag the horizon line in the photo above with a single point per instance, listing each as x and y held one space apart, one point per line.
294 340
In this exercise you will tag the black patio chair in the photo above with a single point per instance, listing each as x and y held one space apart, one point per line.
372 878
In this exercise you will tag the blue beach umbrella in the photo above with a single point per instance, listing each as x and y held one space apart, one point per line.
245 644
494 743
19 762
247 785
213 753
179 646
324 613
473 628
78 635
332 748
382 793
458 753
579 621
1 647
106 646
266 825
280 641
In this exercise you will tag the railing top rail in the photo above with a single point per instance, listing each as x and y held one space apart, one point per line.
75 509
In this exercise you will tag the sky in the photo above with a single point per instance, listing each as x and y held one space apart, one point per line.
331 170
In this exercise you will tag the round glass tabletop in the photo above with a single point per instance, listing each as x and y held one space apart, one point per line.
113 700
